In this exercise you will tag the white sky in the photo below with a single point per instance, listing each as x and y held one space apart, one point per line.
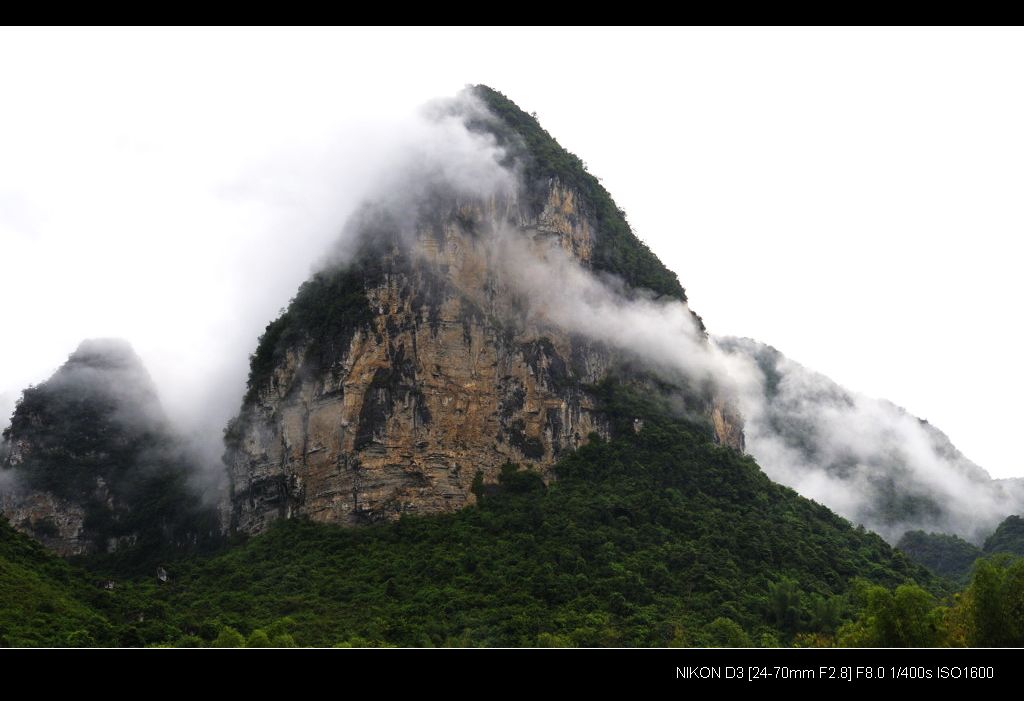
852 197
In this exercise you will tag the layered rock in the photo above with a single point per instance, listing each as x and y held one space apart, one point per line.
446 381
57 523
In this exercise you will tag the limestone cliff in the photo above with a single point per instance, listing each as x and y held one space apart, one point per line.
396 382
57 523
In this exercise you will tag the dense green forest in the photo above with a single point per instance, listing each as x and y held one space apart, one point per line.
48 602
43 600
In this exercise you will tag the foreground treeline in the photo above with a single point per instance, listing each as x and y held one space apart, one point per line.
258 595
988 613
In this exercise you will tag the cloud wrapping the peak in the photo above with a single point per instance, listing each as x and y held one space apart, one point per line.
866 458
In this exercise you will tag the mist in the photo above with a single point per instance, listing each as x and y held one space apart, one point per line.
867 459
562 293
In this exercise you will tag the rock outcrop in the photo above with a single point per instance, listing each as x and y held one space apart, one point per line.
57 523
393 384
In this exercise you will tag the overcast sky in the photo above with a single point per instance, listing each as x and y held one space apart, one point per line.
852 197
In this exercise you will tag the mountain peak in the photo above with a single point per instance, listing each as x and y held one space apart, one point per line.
435 353
617 249
91 460
105 353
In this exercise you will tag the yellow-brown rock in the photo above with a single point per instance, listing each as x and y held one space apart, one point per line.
450 379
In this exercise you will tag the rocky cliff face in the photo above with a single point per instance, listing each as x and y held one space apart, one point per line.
397 383
57 523
448 379
89 463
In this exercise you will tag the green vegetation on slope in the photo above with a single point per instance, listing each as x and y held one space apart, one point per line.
988 613
616 248
44 602
323 316
654 538
1008 537
953 557
946 555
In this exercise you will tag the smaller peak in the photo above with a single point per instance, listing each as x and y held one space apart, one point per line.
481 88
108 367
105 353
